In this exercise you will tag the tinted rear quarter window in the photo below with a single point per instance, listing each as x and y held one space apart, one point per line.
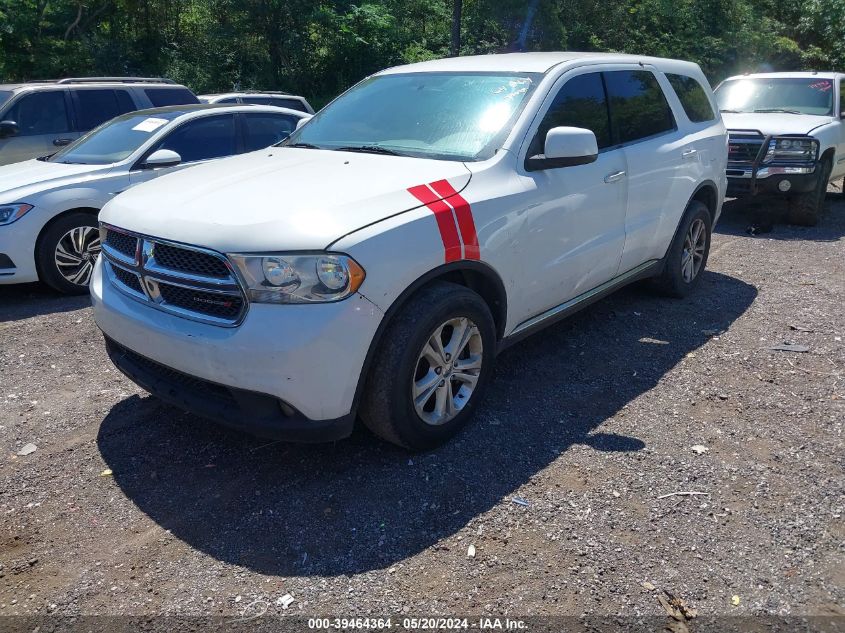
693 98
94 107
581 102
170 96
638 107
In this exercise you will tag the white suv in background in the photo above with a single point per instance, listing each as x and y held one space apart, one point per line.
278 99
49 206
787 137
376 262
39 117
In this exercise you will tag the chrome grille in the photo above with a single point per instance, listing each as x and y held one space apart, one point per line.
744 148
188 281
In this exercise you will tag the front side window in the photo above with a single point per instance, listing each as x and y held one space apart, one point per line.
445 116
263 130
94 107
638 107
161 97
692 97
794 95
40 113
581 102
203 139
114 141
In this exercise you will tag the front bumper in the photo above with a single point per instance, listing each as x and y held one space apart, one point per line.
17 251
286 372
766 183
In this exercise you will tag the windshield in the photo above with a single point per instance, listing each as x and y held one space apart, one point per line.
797 95
5 95
115 140
447 116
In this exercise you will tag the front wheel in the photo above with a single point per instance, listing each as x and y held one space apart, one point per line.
805 208
687 256
67 251
428 374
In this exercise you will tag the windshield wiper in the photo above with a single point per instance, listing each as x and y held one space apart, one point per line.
370 149
778 110
302 145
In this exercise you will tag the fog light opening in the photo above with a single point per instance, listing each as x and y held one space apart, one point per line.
784 185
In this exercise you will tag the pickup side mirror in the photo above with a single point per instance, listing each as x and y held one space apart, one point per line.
162 158
303 121
565 147
9 128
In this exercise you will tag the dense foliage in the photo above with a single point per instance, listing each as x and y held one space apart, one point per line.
319 47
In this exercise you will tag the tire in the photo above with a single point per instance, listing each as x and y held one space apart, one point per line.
66 252
403 361
804 209
681 275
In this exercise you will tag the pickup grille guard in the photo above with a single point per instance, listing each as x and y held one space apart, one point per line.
739 165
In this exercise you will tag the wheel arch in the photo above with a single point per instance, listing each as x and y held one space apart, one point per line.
707 193
475 275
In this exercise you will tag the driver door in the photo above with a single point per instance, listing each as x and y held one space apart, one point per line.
574 230
196 141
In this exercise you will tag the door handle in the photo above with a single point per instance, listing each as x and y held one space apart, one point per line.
614 177
689 153
61 142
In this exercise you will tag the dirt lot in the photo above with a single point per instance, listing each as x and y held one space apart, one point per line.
592 423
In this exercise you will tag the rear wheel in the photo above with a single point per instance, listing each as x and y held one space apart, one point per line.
428 374
67 251
805 208
687 256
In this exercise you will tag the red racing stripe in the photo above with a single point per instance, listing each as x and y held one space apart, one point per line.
445 220
464 214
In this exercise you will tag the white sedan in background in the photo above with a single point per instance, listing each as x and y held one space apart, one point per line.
49 205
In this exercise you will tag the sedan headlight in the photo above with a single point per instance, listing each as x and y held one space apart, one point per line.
299 278
11 212
799 150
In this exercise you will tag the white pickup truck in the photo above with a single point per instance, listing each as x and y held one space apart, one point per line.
787 137
376 261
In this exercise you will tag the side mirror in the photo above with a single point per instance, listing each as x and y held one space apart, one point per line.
565 147
9 128
303 121
162 158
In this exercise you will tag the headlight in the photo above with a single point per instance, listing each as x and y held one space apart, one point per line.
297 278
799 150
11 212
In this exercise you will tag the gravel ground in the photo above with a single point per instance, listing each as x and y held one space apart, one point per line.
591 423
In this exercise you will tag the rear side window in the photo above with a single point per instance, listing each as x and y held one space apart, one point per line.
170 96
264 130
581 102
638 107
693 97
203 139
43 112
94 107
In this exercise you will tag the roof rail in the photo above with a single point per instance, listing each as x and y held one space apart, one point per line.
124 80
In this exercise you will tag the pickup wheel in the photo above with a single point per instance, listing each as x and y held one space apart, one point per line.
67 251
431 367
687 256
805 208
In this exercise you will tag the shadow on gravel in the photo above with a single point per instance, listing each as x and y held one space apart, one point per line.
22 301
769 219
361 504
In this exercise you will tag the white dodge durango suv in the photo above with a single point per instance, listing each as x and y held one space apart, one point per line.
375 262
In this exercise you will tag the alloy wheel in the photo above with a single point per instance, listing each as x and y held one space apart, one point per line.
76 254
695 244
447 371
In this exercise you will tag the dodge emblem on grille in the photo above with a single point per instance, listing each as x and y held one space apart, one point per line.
214 302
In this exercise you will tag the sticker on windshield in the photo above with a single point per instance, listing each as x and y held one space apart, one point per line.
150 125
822 85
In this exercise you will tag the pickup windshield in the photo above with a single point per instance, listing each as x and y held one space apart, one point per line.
793 95
446 116
115 140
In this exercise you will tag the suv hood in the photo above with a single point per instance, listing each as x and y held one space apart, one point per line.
20 180
774 122
277 199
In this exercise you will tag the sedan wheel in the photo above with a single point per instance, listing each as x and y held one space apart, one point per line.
76 253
